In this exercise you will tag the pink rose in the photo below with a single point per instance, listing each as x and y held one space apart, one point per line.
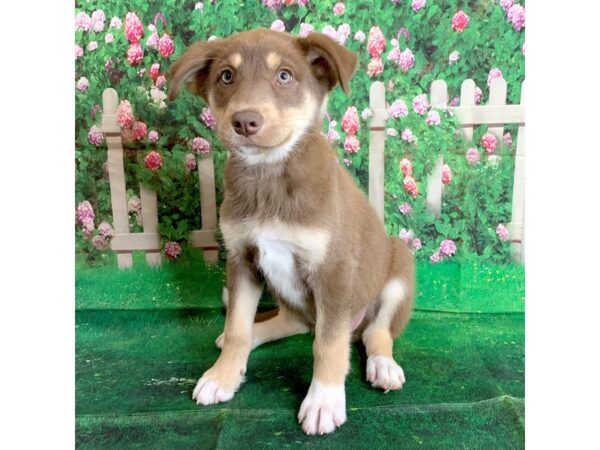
406 60
328 30
343 32
135 54
125 114
489 142
391 132
375 67
333 136
115 22
435 258
306 29
350 122
460 21
410 186
405 235
433 118
98 19
278 25
446 174
398 109
506 4
201 145
494 73
447 248
516 16
454 56
134 28
166 46
507 139
406 167
172 250
140 130
407 135
472 155
339 9
366 113
83 22
153 136
391 86
93 45
272 4
78 52
418 5
83 84
190 161
134 205
152 41
405 208
376 43
153 160
85 212
106 230
208 118
95 136
109 38
161 81
502 232
416 244
420 104
154 71
478 95
360 36
351 144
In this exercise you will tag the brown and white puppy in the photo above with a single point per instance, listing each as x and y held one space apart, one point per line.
293 218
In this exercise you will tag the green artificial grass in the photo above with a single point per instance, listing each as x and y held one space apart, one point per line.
144 336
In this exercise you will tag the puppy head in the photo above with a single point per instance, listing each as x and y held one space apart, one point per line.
266 88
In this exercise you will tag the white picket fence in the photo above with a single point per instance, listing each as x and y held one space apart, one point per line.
495 115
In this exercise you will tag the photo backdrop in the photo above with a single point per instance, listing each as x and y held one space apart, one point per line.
405 44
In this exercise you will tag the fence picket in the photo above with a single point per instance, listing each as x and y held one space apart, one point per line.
517 222
497 97
208 203
150 223
376 147
467 99
438 99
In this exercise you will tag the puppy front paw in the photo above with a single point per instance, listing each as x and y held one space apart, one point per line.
217 385
383 372
323 408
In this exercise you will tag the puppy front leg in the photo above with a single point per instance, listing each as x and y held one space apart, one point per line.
324 407
221 381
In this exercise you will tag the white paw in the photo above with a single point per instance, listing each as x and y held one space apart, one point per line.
323 408
383 372
207 392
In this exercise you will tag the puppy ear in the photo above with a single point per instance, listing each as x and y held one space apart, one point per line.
192 68
330 62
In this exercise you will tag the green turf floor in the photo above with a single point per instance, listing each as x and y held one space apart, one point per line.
144 336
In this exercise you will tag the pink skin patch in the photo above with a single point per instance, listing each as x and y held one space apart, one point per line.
358 318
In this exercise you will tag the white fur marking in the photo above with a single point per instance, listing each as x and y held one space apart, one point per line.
323 408
393 293
383 372
208 392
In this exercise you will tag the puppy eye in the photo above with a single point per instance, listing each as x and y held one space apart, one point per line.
227 76
284 76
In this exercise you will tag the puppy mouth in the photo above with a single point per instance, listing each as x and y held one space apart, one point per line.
250 146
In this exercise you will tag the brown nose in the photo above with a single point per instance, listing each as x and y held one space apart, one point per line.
247 122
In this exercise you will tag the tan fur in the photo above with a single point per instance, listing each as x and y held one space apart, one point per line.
292 216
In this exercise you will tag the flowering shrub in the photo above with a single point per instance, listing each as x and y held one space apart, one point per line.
130 46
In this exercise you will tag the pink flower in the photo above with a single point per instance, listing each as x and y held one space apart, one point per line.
433 118
166 46
375 67
360 36
454 56
507 139
134 205
351 144
152 40
407 60
106 230
161 80
208 118
446 174
343 32
502 232
100 243
407 135
416 244
410 186
85 212
391 86
472 155
154 71
95 136
201 145
376 43
172 250
272 4
134 28
405 208
494 73
135 54
93 45
350 122
460 21
83 22
140 130
190 161
306 29
406 167
366 113
78 51
405 235
109 38
125 114
339 9
199 6
435 258
328 30
478 95
454 101
153 136
115 22
447 248
398 109
516 16
98 19
420 104
489 142
83 84
391 132
153 160
95 110
506 4
333 136
278 25
418 5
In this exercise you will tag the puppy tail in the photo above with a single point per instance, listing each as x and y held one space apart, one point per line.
260 316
